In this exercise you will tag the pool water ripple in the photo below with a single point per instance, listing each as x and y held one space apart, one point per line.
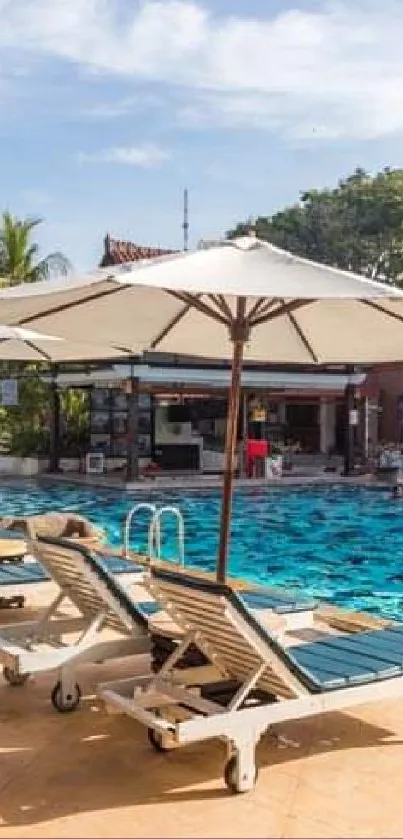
340 543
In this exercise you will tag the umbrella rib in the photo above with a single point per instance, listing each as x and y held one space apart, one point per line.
32 346
261 309
381 309
302 336
63 307
291 306
221 303
41 352
225 306
255 308
193 300
125 350
172 323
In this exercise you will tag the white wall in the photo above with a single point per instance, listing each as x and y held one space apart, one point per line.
177 434
171 432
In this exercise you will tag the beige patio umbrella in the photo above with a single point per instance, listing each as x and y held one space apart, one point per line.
239 299
17 344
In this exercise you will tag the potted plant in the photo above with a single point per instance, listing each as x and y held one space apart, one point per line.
27 449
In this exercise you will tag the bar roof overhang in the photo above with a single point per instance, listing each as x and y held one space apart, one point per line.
166 376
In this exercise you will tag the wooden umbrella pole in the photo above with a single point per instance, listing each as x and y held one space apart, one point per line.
239 336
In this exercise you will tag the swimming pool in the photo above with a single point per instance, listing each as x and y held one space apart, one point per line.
343 544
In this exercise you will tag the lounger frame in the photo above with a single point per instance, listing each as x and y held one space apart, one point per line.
33 647
170 705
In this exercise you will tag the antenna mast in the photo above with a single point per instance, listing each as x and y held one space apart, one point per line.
185 224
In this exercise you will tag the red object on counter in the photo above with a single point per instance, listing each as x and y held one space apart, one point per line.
255 449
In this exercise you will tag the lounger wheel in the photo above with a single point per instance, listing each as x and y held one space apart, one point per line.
67 703
156 740
231 776
13 678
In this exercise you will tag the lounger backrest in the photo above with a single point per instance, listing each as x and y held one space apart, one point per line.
87 583
227 632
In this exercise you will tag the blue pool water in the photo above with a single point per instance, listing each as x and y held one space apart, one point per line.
342 544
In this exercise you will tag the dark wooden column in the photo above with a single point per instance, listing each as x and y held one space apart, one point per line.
132 465
349 432
54 424
152 426
245 426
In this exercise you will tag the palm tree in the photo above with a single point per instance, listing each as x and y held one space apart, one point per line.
19 257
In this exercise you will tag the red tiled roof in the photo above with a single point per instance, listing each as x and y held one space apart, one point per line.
116 252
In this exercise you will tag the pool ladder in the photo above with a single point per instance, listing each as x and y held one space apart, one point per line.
154 541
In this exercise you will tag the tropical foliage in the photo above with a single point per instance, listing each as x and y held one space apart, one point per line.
25 429
357 226
75 411
19 256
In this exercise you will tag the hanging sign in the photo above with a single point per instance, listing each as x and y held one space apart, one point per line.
258 415
9 393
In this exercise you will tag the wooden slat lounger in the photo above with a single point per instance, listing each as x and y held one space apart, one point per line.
101 603
273 682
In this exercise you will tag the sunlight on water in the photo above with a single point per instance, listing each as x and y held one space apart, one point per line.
343 544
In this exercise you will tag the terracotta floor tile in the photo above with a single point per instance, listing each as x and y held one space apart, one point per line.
89 774
305 828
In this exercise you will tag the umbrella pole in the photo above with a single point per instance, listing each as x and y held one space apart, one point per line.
239 337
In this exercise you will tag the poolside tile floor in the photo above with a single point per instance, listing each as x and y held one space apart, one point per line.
92 775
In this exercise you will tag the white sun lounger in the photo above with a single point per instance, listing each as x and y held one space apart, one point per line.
337 672
102 604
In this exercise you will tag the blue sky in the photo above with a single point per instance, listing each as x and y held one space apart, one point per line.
109 108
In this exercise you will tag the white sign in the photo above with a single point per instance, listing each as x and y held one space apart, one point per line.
353 417
9 393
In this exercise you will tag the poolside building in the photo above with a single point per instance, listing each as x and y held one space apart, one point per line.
180 411
169 411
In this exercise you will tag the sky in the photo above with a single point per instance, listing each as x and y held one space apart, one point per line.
110 108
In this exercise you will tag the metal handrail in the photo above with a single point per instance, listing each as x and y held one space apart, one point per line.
155 535
143 505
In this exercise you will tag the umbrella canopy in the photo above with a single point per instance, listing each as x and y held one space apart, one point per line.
17 344
242 298
299 312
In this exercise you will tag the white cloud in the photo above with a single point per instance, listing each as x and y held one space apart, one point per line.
334 72
145 156
112 108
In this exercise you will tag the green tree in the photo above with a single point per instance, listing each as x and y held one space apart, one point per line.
19 260
357 226
25 428
75 411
